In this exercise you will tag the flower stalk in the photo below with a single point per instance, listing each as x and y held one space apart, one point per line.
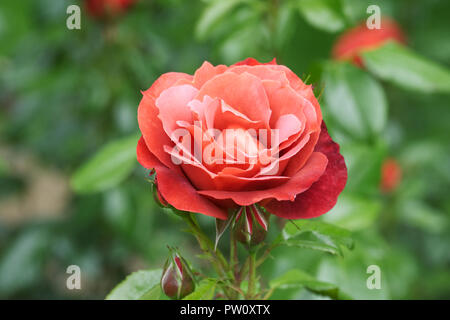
207 246
231 273
252 278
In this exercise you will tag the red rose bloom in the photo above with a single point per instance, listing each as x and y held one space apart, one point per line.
99 8
391 175
350 44
305 172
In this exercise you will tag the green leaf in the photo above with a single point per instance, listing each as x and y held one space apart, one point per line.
140 285
354 212
418 214
108 167
243 43
328 238
153 294
354 100
403 67
204 291
323 14
350 274
285 27
212 15
22 262
364 166
313 245
298 278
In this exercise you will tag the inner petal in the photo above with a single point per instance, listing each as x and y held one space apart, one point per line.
244 92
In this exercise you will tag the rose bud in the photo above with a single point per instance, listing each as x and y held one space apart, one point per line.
177 280
107 8
391 175
359 39
251 225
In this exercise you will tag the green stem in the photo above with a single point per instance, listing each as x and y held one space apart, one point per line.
207 246
244 269
266 254
268 294
234 264
252 274
234 261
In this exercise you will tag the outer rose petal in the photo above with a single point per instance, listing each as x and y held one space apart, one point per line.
262 72
166 81
175 188
323 194
172 104
206 72
149 123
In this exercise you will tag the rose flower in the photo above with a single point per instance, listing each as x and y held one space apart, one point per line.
246 136
100 8
354 41
391 175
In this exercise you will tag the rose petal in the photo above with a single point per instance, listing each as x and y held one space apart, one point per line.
284 100
310 173
244 93
322 195
206 72
173 106
175 188
149 123
288 125
165 81
262 72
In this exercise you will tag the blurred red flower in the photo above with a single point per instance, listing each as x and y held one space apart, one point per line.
101 8
391 175
354 41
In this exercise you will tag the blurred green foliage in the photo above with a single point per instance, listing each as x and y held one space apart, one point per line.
68 102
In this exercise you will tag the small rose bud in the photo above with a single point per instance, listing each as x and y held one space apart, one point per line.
177 280
391 175
251 225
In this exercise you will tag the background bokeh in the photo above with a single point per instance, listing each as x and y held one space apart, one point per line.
71 191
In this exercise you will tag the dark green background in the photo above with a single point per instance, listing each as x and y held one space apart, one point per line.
64 94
